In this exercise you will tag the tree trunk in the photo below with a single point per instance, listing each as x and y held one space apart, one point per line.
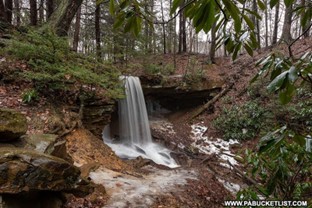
163 26
41 12
3 18
184 49
33 12
275 31
98 30
170 29
77 30
212 51
286 35
62 17
50 8
17 12
256 21
9 9
266 27
306 26
180 32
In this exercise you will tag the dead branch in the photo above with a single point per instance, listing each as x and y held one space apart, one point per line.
198 111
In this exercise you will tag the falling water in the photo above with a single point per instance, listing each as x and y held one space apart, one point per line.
134 132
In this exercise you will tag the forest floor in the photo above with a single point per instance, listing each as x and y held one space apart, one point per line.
205 178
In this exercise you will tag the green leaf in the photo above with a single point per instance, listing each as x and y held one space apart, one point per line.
119 21
299 139
288 2
211 16
306 17
175 5
129 25
292 74
111 7
236 50
253 13
249 22
248 49
275 72
273 3
235 14
286 94
277 82
261 5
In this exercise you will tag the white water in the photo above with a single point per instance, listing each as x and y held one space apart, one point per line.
129 191
134 131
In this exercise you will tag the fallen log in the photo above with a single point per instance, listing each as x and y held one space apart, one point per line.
199 110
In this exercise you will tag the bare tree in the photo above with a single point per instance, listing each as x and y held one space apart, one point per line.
3 17
212 51
77 30
33 12
98 30
286 34
50 8
163 26
276 20
9 9
17 12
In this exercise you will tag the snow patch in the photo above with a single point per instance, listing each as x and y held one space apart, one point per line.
210 145
232 187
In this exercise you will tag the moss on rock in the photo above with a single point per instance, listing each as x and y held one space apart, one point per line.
13 124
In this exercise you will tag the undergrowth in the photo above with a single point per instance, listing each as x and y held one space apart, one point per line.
263 112
241 122
53 66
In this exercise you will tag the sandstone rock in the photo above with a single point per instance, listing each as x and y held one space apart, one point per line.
96 114
27 170
13 124
38 142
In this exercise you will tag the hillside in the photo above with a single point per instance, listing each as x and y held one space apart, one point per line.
77 112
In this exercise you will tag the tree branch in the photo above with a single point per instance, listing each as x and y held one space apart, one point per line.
304 32
172 18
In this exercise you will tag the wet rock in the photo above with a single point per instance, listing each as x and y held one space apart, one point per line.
13 125
27 170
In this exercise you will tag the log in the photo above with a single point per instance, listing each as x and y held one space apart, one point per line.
198 111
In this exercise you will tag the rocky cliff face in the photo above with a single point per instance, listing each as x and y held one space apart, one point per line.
96 114
174 92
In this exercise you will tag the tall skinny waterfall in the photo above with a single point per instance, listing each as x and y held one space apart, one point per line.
133 121
134 131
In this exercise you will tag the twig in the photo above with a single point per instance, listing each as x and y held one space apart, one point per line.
172 18
248 179
304 32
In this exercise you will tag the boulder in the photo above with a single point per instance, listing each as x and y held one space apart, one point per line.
39 142
24 170
13 125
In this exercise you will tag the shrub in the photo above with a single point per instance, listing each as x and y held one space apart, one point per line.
241 122
54 66
30 96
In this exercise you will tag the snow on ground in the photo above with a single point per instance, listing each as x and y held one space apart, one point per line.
216 146
130 191
210 145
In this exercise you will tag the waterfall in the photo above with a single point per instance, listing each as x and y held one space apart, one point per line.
134 131
133 121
